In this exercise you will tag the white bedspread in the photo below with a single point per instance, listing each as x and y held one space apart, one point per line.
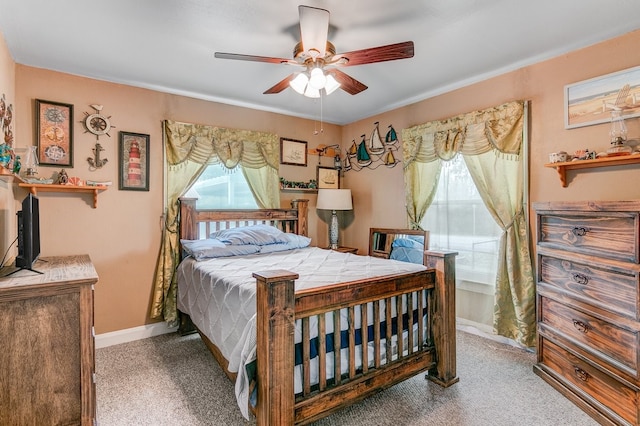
219 294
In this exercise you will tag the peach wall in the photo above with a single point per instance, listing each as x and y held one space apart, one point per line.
122 235
543 85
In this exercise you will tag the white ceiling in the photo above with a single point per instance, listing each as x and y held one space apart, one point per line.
168 45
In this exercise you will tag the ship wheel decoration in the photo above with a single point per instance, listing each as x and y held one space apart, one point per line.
97 124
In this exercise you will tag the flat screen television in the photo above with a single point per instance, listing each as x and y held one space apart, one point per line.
28 233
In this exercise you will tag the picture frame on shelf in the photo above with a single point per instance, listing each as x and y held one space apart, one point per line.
328 178
293 152
591 101
133 161
54 133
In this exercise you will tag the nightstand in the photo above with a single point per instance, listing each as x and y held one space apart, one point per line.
346 250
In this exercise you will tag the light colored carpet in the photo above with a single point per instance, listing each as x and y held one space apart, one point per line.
173 380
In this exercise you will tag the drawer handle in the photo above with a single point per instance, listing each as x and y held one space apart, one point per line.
580 279
581 374
580 326
579 231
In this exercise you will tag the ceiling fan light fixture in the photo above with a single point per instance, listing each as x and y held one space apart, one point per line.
317 79
310 92
299 84
331 85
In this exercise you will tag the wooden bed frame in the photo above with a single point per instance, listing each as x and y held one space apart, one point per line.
279 306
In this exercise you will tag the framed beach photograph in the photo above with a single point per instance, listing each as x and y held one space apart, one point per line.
133 161
293 152
54 133
591 101
328 177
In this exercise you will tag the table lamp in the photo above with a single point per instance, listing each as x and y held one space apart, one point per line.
334 199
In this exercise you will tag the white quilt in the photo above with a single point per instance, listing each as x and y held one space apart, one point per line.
219 294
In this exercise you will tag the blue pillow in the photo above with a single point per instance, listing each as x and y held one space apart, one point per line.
408 243
253 234
406 254
210 248
295 242
418 238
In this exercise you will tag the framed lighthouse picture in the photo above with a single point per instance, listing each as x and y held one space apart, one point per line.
133 161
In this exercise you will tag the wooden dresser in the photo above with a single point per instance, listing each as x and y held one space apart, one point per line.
588 269
47 344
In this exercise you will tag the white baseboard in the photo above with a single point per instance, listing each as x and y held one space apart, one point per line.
130 334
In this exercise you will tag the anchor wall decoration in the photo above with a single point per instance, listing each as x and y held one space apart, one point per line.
96 162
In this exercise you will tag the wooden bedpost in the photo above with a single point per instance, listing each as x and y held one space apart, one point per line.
302 206
188 223
275 300
444 321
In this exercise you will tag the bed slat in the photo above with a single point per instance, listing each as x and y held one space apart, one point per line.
411 317
364 320
322 353
399 327
337 363
376 334
352 342
388 331
306 365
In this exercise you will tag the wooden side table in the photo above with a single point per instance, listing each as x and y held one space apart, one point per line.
47 365
346 249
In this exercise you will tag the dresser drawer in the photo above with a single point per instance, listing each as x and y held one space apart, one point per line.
613 235
605 340
586 379
614 289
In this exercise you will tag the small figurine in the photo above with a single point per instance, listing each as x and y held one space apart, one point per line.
16 165
63 178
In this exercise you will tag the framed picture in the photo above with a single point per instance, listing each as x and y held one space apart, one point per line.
293 152
328 177
590 101
54 133
133 161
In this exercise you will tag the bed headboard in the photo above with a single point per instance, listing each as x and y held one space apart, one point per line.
194 222
380 239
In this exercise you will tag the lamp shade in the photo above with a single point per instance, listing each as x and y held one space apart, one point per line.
334 199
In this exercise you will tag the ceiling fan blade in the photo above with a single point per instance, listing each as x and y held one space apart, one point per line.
240 57
390 52
348 83
314 27
280 86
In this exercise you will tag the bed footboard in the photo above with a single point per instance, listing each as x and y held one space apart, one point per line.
395 327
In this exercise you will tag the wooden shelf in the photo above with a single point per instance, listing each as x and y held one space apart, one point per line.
298 190
7 176
43 187
619 160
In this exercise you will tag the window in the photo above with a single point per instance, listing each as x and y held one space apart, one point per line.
221 188
458 220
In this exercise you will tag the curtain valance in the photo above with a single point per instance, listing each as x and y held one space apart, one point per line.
498 129
210 144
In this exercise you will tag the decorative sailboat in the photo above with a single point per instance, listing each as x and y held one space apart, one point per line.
391 136
389 159
353 150
347 163
363 157
375 142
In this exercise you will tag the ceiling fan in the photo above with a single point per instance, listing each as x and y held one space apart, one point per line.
319 61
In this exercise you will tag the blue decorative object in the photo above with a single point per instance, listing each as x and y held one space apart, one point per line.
5 154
